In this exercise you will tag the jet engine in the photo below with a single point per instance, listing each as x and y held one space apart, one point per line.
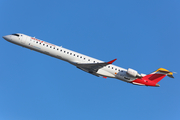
133 73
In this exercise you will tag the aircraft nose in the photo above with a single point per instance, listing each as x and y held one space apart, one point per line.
7 37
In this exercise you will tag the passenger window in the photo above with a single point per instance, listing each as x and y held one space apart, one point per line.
37 42
70 53
50 46
57 48
46 45
54 47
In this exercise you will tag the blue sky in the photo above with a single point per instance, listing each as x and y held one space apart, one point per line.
143 35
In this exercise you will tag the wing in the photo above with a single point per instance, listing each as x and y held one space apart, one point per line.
93 67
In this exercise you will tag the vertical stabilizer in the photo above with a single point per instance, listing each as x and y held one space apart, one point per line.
159 74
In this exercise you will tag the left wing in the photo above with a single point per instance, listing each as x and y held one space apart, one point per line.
92 67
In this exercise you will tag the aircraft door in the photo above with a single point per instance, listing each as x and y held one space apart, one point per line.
23 39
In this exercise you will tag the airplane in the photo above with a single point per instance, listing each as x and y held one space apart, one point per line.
88 64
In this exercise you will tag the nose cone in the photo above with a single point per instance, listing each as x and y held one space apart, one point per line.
7 37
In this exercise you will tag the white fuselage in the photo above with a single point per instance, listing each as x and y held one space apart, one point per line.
70 56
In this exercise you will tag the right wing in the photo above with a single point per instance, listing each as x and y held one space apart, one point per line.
92 67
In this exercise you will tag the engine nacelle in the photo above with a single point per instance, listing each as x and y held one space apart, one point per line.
133 73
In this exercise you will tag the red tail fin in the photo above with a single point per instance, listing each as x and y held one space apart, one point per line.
153 78
158 75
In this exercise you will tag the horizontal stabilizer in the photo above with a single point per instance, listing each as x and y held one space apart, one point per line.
166 72
170 76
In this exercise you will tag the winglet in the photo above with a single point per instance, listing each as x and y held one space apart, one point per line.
110 62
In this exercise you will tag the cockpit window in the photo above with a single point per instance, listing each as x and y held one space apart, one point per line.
16 35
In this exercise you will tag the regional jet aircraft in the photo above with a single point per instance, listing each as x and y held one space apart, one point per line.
89 64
